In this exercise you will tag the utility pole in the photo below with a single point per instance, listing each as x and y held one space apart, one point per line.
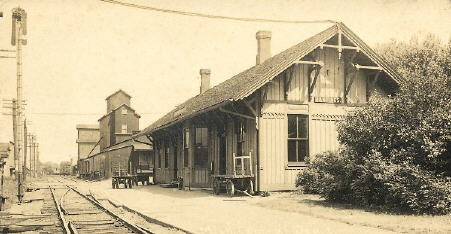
37 162
16 155
25 135
19 29
34 157
32 153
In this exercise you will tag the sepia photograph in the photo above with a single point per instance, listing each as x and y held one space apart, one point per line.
232 116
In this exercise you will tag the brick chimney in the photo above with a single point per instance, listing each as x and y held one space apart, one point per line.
264 46
204 80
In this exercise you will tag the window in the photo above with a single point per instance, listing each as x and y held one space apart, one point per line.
166 154
185 147
297 138
124 128
201 148
124 111
240 129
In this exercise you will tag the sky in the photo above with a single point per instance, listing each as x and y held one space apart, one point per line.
81 51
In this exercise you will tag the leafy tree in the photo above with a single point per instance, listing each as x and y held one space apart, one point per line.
396 150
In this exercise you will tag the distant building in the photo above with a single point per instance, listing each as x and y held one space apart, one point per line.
116 148
7 159
119 122
88 141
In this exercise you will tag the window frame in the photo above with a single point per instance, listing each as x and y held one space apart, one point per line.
298 139
122 129
200 147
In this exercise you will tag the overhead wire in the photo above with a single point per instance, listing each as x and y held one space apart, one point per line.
195 14
71 113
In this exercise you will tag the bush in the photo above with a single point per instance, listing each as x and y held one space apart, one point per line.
399 187
327 176
396 151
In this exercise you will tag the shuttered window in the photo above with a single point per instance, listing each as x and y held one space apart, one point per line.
297 138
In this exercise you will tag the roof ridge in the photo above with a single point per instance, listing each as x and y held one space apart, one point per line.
123 104
246 82
118 91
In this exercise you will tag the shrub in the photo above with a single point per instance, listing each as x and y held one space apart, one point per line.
400 187
396 151
326 176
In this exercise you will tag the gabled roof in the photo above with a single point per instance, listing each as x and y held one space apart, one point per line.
119 91
115 109
250 80
138 143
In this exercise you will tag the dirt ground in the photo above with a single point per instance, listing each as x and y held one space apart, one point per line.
200 211
313 205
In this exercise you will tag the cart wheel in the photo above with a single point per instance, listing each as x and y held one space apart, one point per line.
250 187
230 188
216 186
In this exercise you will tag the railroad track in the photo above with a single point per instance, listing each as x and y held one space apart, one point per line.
80 213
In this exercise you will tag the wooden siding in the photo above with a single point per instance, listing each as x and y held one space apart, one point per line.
276 88
324 136
297 90
330 83
329 86
273 146
275 173
358 91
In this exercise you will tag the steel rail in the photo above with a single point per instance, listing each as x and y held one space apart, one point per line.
129 225
60 213
62 202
